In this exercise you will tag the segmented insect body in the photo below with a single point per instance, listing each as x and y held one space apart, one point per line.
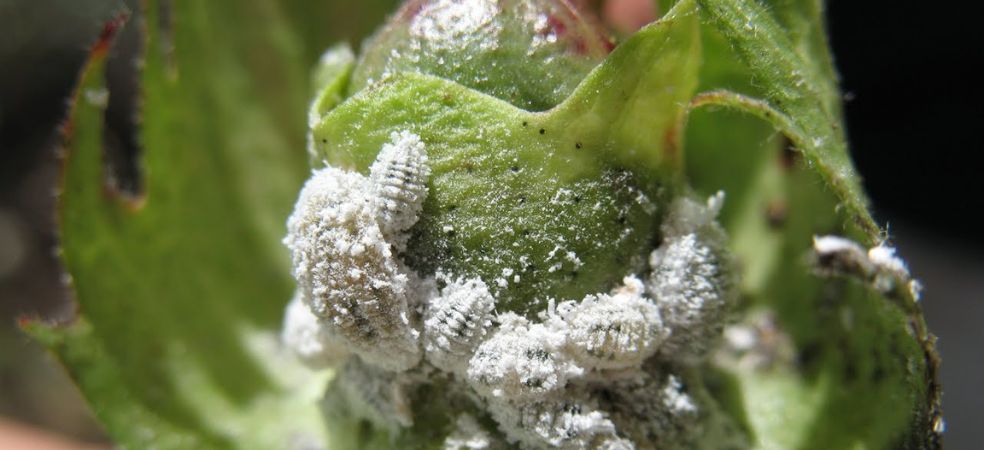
312 342
691 277
345 265
456 322
399 185
520 361
692 291
614 331
371 394
570 421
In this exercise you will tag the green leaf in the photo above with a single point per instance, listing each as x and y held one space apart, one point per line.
330 79
180 296
864 372
800 91
503 175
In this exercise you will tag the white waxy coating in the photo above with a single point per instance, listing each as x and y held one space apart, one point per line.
309 339
878 265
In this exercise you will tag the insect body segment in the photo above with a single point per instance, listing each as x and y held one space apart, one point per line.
691 277
398 180
520 361
456 322
346 267
615 331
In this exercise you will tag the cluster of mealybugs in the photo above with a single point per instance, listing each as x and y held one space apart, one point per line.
596 372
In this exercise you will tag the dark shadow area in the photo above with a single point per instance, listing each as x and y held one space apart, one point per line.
913 106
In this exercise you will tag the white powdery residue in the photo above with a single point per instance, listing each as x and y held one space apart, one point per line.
502 282
520 361
643 200
878 265
616 331
740 338
915 289
309 339
446 23
838 255
455 323
883 257
563 196
553 253
759 343
830 245
467 435
675 399
398 180
572 257
688 216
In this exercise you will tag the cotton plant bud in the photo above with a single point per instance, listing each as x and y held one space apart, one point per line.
515 274
456 322
347 271
615 331
529 53
531 229
529 234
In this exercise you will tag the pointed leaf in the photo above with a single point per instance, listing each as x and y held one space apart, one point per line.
180 295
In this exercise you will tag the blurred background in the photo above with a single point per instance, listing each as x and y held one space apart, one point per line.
912 110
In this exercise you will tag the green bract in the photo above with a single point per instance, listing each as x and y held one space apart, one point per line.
539 149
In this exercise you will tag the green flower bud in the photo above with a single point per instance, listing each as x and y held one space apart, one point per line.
462 244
